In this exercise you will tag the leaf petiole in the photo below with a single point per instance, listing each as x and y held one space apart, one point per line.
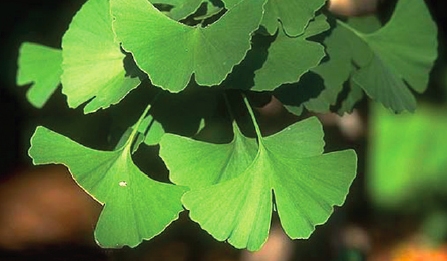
133 135
253 119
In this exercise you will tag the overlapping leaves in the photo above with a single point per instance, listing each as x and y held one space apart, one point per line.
293 14
232 185
268 46
171 52
393 57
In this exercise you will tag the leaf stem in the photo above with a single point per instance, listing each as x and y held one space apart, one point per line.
253 119
140 120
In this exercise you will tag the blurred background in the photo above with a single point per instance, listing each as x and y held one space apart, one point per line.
396 210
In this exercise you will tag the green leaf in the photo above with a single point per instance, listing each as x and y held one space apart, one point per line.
236 204
93 69
393 56
136 207
318 91
188 160
293 14
152 130
293 57
171 52
40 66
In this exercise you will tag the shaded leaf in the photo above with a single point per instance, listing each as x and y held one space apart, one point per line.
293 57
355 94
136 207
93 68
391 57
318 90
293 14
40 66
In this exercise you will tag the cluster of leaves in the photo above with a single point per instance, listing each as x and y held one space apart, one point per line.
289 49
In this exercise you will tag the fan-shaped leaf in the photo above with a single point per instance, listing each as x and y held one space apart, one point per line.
393 56
171 52
93 67
289 164
293 14
41 66
194 163
293 57
136 207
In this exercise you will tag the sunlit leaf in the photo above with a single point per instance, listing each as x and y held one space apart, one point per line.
93 69
40 66
171 52
290 165
152 130
136 207
188 159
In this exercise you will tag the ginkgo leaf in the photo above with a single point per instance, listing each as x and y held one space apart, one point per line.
93 68
318 91
289 164
136 207
393 57
195 163
293 14
171 52
40 66
292 56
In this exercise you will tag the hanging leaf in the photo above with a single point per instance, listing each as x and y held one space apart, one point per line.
393 57
40 66
171 52
195 163
318 90
293 57
237 204
136 207
93 69
293 14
